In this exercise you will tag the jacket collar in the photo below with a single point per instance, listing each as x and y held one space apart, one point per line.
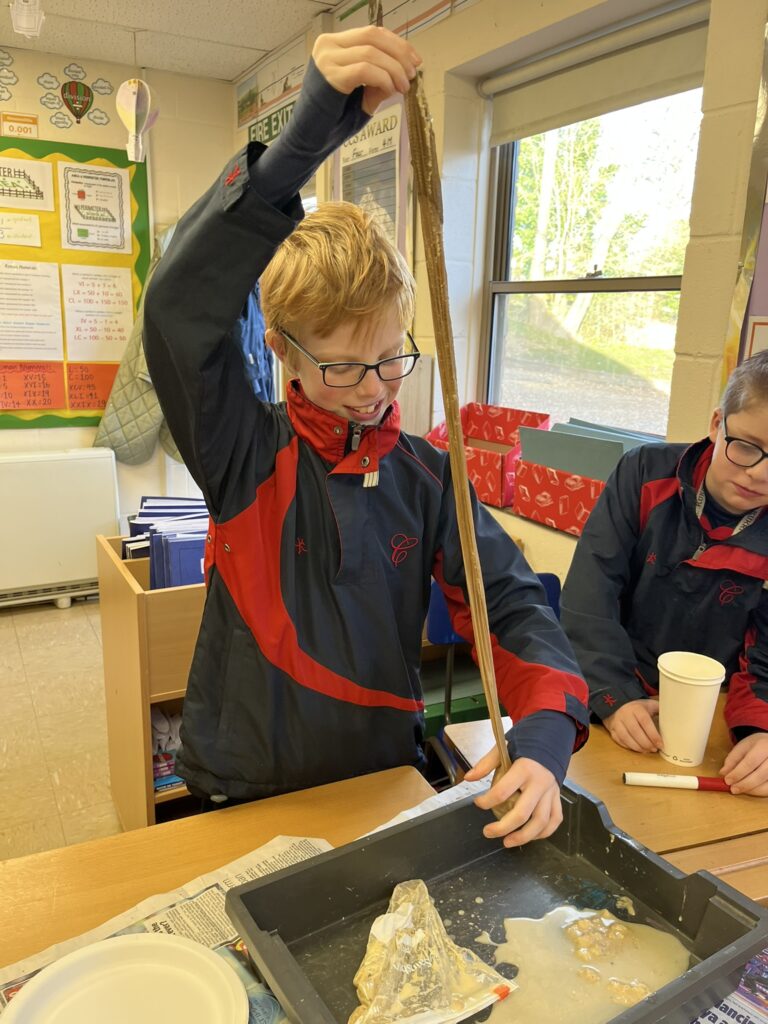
691 471
328 434
693 465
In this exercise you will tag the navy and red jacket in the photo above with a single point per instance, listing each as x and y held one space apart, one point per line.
320 552
649 576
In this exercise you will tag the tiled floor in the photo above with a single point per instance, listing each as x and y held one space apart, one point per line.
54 770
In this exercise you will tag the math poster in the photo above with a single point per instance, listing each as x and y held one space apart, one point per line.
95 208
74 252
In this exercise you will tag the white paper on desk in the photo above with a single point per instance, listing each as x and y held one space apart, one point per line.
432 803
195 910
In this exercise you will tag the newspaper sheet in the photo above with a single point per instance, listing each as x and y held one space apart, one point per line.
749 1003
740 1006
196 911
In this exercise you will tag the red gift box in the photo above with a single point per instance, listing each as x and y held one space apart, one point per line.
492 447
555 497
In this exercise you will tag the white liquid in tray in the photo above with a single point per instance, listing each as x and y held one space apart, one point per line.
583 966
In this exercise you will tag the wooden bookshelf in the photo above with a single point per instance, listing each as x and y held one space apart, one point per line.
148 639
170 794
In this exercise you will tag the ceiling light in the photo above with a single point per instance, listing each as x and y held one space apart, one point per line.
27 17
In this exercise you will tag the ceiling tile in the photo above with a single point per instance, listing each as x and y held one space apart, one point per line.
261 24
74 39
193 56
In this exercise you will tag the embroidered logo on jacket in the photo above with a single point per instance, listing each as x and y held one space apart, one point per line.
609 700
301 546
651 559
233 175
729 591
401 545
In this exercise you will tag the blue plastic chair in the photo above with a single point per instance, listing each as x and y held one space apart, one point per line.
552 588
440 631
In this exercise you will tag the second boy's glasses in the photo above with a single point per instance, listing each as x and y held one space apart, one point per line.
347 375
742 453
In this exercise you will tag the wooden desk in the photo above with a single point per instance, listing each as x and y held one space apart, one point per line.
742 863
662 819
48 897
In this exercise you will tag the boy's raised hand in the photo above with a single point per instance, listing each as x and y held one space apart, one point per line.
537 811
373 57
746 767
633 727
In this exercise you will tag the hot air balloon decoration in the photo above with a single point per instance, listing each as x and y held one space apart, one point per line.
77 98
134 108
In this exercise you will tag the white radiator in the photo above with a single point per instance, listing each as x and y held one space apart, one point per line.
52 505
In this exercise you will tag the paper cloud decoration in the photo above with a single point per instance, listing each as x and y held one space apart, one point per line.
98 116
134 108
74 71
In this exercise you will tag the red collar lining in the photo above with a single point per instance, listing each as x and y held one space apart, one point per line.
327 433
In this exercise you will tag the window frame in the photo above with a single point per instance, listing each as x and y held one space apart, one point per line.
502 229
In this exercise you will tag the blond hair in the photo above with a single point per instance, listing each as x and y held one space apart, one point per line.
337 266
747 385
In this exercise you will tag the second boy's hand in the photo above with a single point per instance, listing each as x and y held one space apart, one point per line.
633 726
372 57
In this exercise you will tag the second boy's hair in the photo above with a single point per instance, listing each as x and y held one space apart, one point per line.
747 385
337 266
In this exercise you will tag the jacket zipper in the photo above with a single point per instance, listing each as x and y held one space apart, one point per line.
357 431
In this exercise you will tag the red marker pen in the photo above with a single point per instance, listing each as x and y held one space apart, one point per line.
711 782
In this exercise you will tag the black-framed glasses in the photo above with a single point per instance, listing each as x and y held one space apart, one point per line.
742 453
347 375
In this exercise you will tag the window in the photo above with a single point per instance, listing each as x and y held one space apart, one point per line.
592 225
309 195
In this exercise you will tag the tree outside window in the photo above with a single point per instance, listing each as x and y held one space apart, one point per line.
591 240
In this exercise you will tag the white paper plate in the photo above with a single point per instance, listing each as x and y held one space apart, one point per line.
133 979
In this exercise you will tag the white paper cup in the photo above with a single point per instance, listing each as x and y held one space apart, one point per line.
689 685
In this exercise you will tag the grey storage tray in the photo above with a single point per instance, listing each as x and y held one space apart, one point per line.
306 927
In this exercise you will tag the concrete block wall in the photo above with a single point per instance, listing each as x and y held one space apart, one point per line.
731 83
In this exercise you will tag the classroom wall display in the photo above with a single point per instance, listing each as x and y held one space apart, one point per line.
266 98
372 170
74 252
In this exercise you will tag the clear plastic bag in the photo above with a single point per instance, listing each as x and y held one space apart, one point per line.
413 973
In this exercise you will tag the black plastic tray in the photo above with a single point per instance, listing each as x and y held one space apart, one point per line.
307 927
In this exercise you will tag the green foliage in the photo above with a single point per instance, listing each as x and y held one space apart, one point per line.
566 220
